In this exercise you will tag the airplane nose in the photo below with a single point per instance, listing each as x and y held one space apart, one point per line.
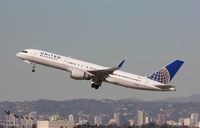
17 54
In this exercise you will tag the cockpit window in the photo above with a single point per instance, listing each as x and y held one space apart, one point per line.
24 51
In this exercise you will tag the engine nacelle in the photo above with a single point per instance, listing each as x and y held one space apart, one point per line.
79 75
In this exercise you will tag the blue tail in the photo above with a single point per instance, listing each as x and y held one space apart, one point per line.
166 74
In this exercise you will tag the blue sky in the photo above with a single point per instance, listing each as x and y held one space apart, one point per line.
147 34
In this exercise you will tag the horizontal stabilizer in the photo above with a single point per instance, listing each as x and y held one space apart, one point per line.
165 86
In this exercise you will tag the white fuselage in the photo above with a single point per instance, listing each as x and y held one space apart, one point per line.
118 77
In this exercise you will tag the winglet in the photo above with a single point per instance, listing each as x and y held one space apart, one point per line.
120 65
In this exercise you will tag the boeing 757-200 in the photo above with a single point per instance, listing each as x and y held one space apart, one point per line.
81 70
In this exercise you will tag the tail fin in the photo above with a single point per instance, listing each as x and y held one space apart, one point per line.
166 74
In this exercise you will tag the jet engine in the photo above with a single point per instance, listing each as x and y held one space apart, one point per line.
79 75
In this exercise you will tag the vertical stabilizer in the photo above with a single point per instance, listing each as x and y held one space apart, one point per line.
166 74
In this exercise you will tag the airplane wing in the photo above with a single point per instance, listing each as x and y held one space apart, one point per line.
102 74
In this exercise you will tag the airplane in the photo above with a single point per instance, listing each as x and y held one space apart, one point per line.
82 70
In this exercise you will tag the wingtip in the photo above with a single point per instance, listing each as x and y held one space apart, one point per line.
120 65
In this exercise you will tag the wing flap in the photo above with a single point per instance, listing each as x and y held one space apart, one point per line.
103 72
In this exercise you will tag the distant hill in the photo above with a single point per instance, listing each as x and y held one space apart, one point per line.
193 98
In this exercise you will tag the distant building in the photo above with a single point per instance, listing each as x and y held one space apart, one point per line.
181 122
131 122
112 122
27 120
71 118
32 118
116 118
98 120
55 117
187 122
124 119
148 119
43 124
55 122
12 120
161 119
171 122
140 118
194 119
82 121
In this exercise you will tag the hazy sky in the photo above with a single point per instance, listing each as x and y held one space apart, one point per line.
148 34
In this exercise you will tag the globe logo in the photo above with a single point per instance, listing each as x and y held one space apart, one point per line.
161 76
